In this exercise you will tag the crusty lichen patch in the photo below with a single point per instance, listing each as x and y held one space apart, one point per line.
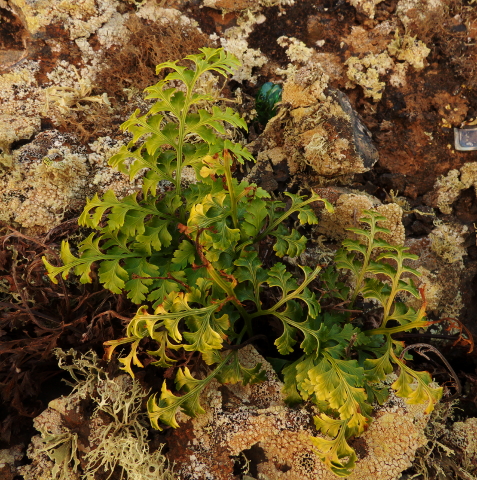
463 436
42 181
238 418
348 209
235 42
366 7
367 71
440 279
296 50
304 86
370 69
447 188
409 49
81 17
447 241
14 128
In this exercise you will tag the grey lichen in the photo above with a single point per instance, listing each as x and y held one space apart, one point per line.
114 438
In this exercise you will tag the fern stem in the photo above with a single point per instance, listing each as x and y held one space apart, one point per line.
284 216
228 289
364 268
230 187
288 297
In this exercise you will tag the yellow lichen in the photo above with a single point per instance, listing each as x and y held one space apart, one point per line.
366 7
409 49
296 50
367 71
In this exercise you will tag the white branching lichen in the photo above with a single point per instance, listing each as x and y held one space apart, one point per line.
118 435
447 241
296 50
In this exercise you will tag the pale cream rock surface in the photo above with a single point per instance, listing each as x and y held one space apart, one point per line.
366 7
237 418
448 187
234 41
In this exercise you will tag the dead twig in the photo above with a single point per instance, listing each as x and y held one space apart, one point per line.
418 347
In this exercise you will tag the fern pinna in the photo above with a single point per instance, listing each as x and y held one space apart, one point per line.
192 251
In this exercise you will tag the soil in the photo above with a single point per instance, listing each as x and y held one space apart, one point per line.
412 127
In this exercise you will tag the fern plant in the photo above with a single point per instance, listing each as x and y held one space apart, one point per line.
194 253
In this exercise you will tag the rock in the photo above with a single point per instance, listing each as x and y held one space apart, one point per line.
53 174
348 209
442 273
14 128
316 130
44 178
8 460
254 421
463 436
362 137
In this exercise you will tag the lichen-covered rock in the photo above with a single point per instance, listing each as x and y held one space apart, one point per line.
54 174
329 137
14 128
81 18
316 128
255 417
447 241
348 209
443 282
463 436
45 179
376 61
447 188
96 430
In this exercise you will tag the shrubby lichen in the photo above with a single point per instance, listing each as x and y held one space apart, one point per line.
118 435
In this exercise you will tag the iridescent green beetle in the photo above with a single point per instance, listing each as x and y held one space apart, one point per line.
267 97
